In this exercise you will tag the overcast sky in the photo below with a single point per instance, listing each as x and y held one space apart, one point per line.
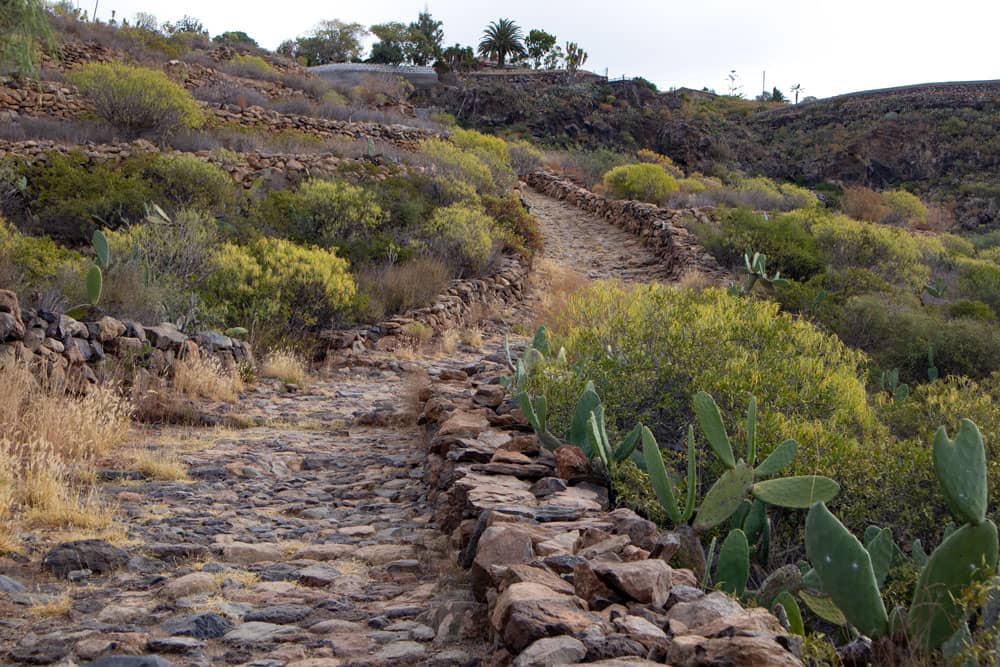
827 47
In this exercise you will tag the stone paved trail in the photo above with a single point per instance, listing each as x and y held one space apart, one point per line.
305 540
589 244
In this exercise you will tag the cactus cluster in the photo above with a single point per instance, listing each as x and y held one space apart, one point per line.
850 574
95 275
756 266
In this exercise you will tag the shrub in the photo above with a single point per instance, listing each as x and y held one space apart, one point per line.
185 181
30 262
891 253
863 203
285 365
460 233
452 162
320 211
786 241
521 231
255 64
137 99
589 167
904 208
491 151
397 288
651 157
649 348
898 332
278 286
980 279
524 157
204 377
68 195
976 310
644 182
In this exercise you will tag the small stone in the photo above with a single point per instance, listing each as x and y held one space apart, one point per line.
647 581
401 651
551 651
318 576
95 555
174 645
8 585
241 553
131 661
199 626
571 462
282 614
256 633
190 584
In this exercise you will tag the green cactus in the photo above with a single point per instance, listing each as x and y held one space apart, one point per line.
788 604
777 460
724 497
960 465
541 341
796 492
536 410
733 568
969 554
756 266
95 275
824 607
710 420
845 571
588 402
932 371
662 486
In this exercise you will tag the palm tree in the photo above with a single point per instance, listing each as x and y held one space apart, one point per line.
500 39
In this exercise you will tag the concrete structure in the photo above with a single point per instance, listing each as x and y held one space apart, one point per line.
353 73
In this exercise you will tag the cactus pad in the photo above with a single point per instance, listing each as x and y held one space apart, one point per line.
796 492
724 497
960 465
733 569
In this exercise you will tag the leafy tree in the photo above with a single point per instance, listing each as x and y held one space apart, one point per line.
554 58
145 21
538 44
575 56
330 42
778 96
426 38
235 37
24 31
500 39
185 24
392 45
459 58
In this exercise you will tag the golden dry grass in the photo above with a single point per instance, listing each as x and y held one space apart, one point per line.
159 465
472 336
448 341
285 365
204 377
50 440
57 606
554 285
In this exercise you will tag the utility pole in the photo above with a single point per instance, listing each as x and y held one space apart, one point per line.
94 17
763 83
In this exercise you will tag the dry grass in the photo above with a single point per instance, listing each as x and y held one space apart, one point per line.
472 336
416 392
159 465
285 365
695 280
448 342
204 377
554 285
418 331
57 606
51 438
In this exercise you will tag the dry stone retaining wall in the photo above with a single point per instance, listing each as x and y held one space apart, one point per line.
661 229
456 307
65 350
567 580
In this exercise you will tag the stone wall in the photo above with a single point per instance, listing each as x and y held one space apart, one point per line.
65 350
503 286
659 228
566 579
59 100
531 77
245 169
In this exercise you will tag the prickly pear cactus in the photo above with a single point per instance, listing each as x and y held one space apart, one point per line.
733 569
710 420
960 465
724 497
796 492
845 570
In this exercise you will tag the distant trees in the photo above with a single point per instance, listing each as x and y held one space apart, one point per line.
502 38
538 44
575 56
145 21
235 38
184 24
774 96
24 31
331 41
418 43
460 58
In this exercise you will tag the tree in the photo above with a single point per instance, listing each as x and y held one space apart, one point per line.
797 88
459 58
500 39
735 87
330 42
184 24
235 38
426 38
538 44
778 96
145 21
392 45
575 56
24 31
554 58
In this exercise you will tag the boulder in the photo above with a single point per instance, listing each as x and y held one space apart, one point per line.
571 462
551 651
734 651
94 555
646 581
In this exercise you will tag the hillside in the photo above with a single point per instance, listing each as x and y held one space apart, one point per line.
940 140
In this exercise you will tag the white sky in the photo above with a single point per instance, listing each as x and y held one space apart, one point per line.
827 47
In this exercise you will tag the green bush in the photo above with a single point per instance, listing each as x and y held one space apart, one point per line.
137 99
789 246
650 348
185 181
976 310
897 333
643 182
67 195
460 234
904 209
275 287
31 262
325 212
491 151
980 279
520 230
454 163
524 157
891 253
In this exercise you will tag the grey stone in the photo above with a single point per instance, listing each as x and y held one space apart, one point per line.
282 614
174 645
199 626
131 661
256 632
551 651
401 651
95 555
8 585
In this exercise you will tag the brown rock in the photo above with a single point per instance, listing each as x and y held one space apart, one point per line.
643 532
588 586
571 462
703 611
526 612
735 651
503 544
464 425
191 584
535 574
647 581
490 395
